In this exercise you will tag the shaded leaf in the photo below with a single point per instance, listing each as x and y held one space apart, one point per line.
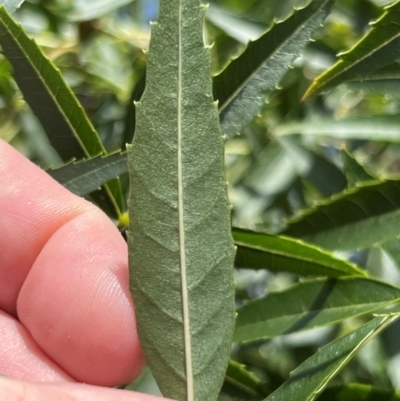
181 250
85 176
277 253
357 218
311 304
379 47
356 392
308 380
241 86
244 380
355 172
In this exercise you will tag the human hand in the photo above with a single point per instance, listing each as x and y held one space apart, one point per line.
66 314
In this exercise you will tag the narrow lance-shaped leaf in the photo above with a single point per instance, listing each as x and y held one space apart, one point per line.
323 302
358 392
245 381
359 217
63 119
180 246
85 176
308 380
277 253
378 48
354 171
374 128
241 86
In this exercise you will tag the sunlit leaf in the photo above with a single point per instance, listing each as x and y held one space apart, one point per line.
11 5
311 304
379 47
66 125
84 10
276 253
375 128
308 380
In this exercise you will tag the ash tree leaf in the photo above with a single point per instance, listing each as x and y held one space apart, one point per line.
359 217
308 380
278 253
311 304
85 176
64 121
379 47
241 86
180 246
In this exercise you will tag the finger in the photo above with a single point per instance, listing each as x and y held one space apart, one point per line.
21 357
76 304
66 265
33 207
13 390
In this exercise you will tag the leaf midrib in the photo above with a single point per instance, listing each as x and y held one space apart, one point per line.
368 55
182 250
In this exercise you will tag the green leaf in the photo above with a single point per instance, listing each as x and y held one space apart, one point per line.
311 304
242 379
357 392
308 380
236 27
379 47
83 10
354 171
66 125
85 176
62 117
392 248
276 253
180 246
241 86
11 5
359 217
376 128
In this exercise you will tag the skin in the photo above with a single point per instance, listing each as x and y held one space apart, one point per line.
66 314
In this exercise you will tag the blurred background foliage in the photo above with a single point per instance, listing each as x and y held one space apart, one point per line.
294 153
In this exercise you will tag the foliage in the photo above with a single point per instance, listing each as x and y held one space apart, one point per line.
314 184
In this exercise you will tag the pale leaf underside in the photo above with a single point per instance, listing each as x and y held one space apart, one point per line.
181 250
